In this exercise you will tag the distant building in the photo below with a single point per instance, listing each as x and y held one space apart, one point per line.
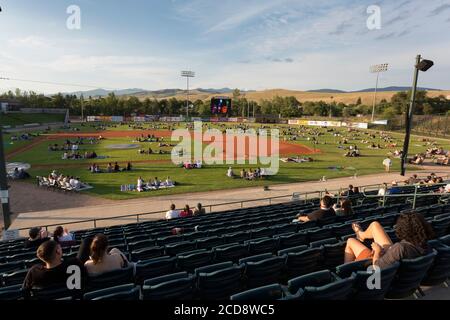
7 105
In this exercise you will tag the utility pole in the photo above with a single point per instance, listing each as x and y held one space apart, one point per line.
4 192
82 108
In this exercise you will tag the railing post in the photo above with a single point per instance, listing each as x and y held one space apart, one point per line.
137 218
270 201
95 223
415 197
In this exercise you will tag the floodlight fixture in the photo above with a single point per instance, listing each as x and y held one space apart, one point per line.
378 68
187 74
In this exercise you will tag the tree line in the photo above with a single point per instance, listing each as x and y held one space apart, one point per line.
285 107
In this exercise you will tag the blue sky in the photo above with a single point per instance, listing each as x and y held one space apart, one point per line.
251 44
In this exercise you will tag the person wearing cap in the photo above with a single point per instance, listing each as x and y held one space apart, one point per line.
37 237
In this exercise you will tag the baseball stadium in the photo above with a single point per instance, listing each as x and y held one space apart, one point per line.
223 195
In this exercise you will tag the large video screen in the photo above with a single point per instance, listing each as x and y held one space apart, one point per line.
221 106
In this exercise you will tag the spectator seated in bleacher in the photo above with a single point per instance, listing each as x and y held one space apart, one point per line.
54 270
63 237
199 210
186 212
395 188
411 229
37 236
172 213
326 210
349 192
344 209
102 259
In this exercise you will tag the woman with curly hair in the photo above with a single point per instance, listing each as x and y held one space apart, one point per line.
411 229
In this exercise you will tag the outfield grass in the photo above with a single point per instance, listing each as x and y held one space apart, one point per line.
16 119
208 178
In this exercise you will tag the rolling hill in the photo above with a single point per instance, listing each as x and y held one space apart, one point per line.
327 95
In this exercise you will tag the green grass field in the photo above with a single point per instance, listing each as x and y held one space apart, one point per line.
16 119
107 185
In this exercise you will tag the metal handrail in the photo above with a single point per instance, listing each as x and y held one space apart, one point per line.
302 196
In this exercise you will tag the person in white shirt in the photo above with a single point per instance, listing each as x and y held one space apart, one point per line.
447 188
383 190
387 163
169 182
230 173
140 185
172 213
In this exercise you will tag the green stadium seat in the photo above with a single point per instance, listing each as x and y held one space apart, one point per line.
178 286
153 268
266 293
322 285
126 292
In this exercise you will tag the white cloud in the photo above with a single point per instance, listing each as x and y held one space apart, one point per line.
29 42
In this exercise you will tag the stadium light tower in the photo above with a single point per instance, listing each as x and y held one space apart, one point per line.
187 75
377 69
421 65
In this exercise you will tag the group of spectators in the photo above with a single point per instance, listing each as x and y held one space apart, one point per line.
154 184
151 151
412 230
75 155
173 213
353 152
250 174
23 137
94 257
148 138
56 179
110 168
19 174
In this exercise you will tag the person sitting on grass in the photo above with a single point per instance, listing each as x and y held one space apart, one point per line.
54 270
156 183
230 173
129 167
102 259
172 213
140 185
411 229
326 210
169 182
116 167
187 212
